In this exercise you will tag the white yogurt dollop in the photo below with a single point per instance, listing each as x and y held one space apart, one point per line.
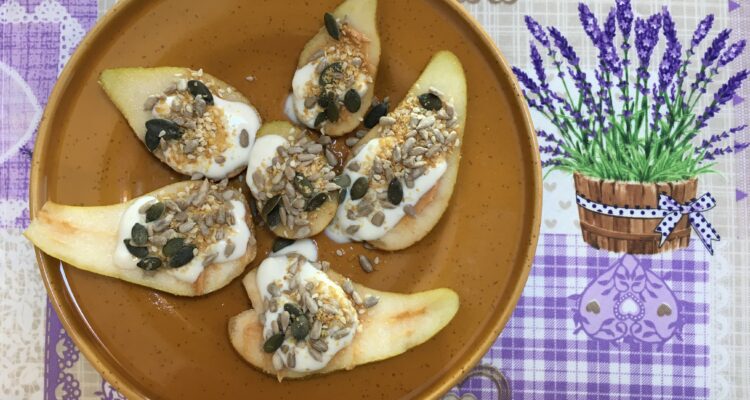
336 231
261 157
237 116
275 270
304 247
239 234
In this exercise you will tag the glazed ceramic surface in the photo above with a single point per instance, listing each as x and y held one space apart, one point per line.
155 345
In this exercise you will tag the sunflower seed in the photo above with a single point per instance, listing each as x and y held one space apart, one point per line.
452 137
210 259
229 249
304 231
352 229
315 148
371 301
315 354
387 121
365 263
291 359
244 138
316 331
378 218
352 141
409 210
186 226
340 333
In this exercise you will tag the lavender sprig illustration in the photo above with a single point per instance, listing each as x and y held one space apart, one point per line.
638 122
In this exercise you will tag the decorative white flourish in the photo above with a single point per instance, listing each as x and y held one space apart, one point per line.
71 31
20 117
22 313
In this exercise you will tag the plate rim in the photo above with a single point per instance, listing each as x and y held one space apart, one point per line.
452 378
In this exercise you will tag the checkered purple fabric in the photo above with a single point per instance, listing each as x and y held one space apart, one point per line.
542 357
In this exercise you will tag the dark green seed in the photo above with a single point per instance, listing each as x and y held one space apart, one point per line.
342 180
316 201
331 25
155 212
332 112
154 127
325 99
300 327
137 251
302 185
322 117
273 343
274 217
342 195
170 248
270 205
430 101
281 243
395 192
197 88
149 263
352 101
359 188
183 256
373 116
328 75
139 235
293 309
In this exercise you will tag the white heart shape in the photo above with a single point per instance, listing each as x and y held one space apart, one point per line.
629 307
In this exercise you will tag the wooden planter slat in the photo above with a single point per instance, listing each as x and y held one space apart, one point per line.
631 235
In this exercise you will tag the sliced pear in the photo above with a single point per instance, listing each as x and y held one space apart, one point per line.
86 238
361 15
130 88
445 73
318 218
396 324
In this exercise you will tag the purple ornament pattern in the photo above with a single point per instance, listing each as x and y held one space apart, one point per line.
628 302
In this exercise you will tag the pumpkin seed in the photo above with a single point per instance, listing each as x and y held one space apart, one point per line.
329 73
302 185
342 195
183 256
137 251
332 112
139 235
155 212
352 101
430 101
154 129
270 205
332 27
198 88
342 180
280 243
274 217
172 245
322 117
359 188
152 140
316 201
325 99
300 327
273 343
373 116
293 309
149 263
395 192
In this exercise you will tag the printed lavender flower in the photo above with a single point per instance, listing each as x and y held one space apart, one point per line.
731 54
702 79
537 31
735 148
722 96
536 60
646 38
624 18
704 27
671 60
711 142
548 136
588 22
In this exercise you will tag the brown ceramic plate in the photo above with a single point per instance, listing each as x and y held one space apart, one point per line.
154 345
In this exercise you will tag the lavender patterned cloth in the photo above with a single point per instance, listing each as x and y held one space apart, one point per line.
546 351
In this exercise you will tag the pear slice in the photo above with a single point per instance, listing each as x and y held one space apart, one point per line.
394 325
130 90
86 238
320 217
445 73
361 16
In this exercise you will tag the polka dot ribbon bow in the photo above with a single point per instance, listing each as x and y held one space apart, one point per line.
670 211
